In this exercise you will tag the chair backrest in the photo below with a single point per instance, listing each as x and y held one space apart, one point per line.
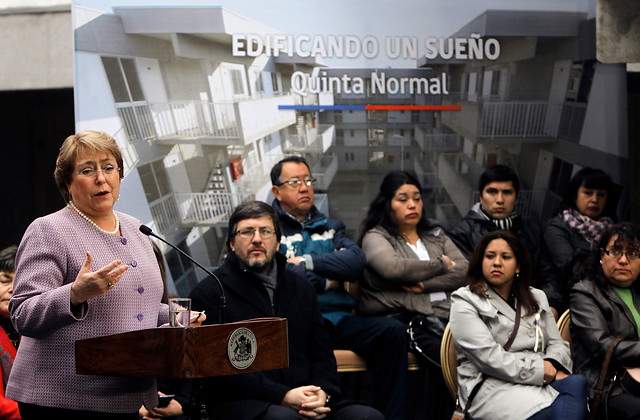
449 362
563 327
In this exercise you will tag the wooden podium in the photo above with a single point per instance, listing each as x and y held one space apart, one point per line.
193 352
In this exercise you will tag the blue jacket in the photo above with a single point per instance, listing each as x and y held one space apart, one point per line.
329 254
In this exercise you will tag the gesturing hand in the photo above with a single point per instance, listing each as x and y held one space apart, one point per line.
89 284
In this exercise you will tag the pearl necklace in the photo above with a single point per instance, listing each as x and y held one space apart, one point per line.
85 217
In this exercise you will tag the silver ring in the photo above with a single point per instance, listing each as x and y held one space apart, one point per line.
110 285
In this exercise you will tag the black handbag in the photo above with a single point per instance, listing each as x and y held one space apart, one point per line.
425 335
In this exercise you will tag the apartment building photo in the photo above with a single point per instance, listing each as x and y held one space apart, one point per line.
200 128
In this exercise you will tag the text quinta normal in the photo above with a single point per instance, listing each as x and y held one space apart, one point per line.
303 83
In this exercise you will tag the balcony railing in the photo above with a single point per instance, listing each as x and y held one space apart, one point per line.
165 213
514 119
193 209
234 122
208 208
149 121
317 141
324 170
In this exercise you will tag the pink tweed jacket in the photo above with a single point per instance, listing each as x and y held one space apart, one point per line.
49 258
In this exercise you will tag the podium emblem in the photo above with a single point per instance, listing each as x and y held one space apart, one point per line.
242 348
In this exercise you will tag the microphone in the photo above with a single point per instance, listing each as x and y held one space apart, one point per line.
223 301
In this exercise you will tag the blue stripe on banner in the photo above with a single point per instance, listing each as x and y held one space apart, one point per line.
325 107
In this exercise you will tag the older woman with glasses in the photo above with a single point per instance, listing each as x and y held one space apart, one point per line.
605 317
83 271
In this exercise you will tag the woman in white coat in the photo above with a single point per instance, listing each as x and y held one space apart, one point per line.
530 380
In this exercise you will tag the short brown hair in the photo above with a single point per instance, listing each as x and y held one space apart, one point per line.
73 146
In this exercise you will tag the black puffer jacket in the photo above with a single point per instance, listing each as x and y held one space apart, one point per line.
565 252
598 316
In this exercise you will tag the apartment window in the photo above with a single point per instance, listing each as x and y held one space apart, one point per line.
376 116
580 80
337 116
276 82
495 83
236 81
376 157
415 117
376 133
123 79
155 180
258 84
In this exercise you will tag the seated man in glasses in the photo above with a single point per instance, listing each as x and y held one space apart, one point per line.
321 251
259 283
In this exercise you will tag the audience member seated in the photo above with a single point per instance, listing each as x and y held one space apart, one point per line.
9 338
257 283
513 363
318 248
604 308
499 186
587 209
412 266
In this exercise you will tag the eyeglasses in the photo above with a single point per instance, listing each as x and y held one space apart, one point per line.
296 183
265 233
617 253
90 173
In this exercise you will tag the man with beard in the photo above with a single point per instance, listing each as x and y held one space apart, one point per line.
258 283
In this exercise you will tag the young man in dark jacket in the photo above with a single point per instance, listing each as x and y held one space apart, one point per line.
258 283
318 248
498 186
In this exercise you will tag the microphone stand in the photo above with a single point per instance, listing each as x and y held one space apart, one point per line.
223 301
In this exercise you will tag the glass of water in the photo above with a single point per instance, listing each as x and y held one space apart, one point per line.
179 312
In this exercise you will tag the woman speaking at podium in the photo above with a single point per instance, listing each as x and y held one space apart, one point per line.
83 271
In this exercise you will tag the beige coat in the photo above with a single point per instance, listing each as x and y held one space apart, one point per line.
391 263
514 388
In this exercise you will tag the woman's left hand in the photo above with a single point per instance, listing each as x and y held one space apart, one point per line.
414 288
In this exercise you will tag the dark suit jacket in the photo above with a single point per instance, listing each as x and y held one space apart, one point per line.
311 360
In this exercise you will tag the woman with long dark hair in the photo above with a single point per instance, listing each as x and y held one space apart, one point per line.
508 345
587 209
604 309
412 265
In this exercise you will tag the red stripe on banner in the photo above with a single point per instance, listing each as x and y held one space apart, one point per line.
413 107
